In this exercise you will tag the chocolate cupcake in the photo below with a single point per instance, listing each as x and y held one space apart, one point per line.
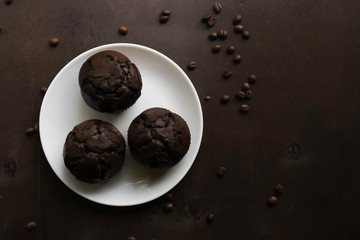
94 151
158 138
110 82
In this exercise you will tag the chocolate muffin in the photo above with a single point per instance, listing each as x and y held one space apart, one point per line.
158 138
94 151
110 82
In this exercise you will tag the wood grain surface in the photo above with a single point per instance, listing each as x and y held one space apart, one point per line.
302 129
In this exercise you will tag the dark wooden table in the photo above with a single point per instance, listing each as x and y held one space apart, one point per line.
302 130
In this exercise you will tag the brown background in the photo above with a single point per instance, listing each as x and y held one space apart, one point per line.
302 129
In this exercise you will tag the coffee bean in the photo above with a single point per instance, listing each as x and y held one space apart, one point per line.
230 49
237 19
240 95
169 197
206 17
211 21
238 28
248 94
210 218
164 19
43 90
31 225
244 108
227 74
36 127
222 34
245 35
225 99
237 59
216 48
54 42
192 65
221 171
279 189
30 131
131 238
272 201
225 35
213 36
246 86
8 2
207 98
0 29
123 30
166 12
168 207
217 7
252 79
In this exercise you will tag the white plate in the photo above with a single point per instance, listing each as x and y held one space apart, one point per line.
164 85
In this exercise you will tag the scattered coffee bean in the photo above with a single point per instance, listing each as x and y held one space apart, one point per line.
168 207
240 95
206 17
164 19
225 99
207 98
279 189
246 86
230 49
192 65
237 59
36 127
237 19
272 201
131 238
43 90
252 79
213 36
211 21
225 35
227 74
31 225
244 108
248 94
217 7
238 28
166 12
123 30
54 42
245 35
30 131
210 218
221 171
222 34
216 48
169 197
8 2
